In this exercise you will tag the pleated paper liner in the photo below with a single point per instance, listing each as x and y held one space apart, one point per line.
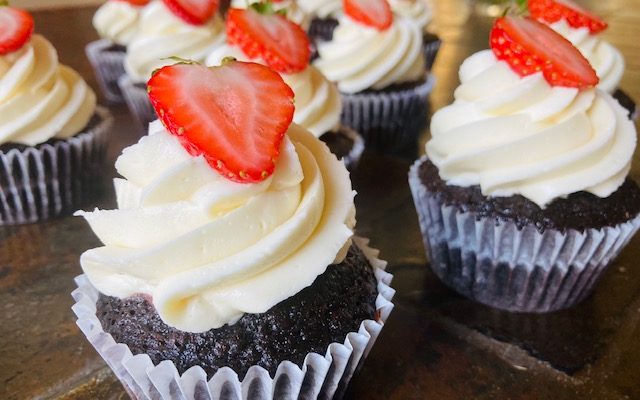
388 120
137 99
321 377
523 270
107 60
51 179
431 47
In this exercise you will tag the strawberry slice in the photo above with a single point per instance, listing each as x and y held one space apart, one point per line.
235 115
282 44
552 11
194 12
373 13
16 28
136 3
529 46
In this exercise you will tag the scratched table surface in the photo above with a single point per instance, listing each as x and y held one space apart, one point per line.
436 344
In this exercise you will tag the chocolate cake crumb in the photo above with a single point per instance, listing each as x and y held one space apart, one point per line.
323 313
578 211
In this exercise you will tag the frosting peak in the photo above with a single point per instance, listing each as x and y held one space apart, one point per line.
39 98
359 57
161 35
117 21
207 249
514 135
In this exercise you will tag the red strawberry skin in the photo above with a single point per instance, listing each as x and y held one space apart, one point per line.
373 13
137 3
235 115
529 46
282 44
194 12
552 11
16 28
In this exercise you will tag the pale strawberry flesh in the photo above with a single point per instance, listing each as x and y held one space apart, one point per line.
16 28
235 115
529 47
282 44
373 13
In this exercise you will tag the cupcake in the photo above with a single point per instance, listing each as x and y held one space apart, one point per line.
167 29
231 258
317 100
523 195
288 8
116 22
325 15
584 29
376 61
52 136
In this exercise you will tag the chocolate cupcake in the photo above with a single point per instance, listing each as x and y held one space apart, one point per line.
317 100
242 274
53 137
116 22
325 14
385 101
524 200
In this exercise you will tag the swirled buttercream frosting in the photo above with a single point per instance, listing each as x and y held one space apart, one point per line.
162 35
603 57
417 11
41 99
359 57
317 100
321 8
294 12
117 21
207 249
519 135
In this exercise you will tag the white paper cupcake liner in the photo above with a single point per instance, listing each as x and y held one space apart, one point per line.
496 263
321 377
108 66
389 120
431 49
48 180
137 100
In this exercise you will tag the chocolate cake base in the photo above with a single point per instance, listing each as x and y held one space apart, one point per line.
334 305
340 145
626 102
578 211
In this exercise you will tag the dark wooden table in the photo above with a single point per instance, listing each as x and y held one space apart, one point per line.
436 344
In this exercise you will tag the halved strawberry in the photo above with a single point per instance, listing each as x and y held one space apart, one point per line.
16 28
374 13
195 12
282 44
235 115
554 10
137 3
529 46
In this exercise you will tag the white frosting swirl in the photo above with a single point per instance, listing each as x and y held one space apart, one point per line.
417 11
294 13
161 35
514 135
207 249
603 57
317 100
359 57
321 8
39 98
117 21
